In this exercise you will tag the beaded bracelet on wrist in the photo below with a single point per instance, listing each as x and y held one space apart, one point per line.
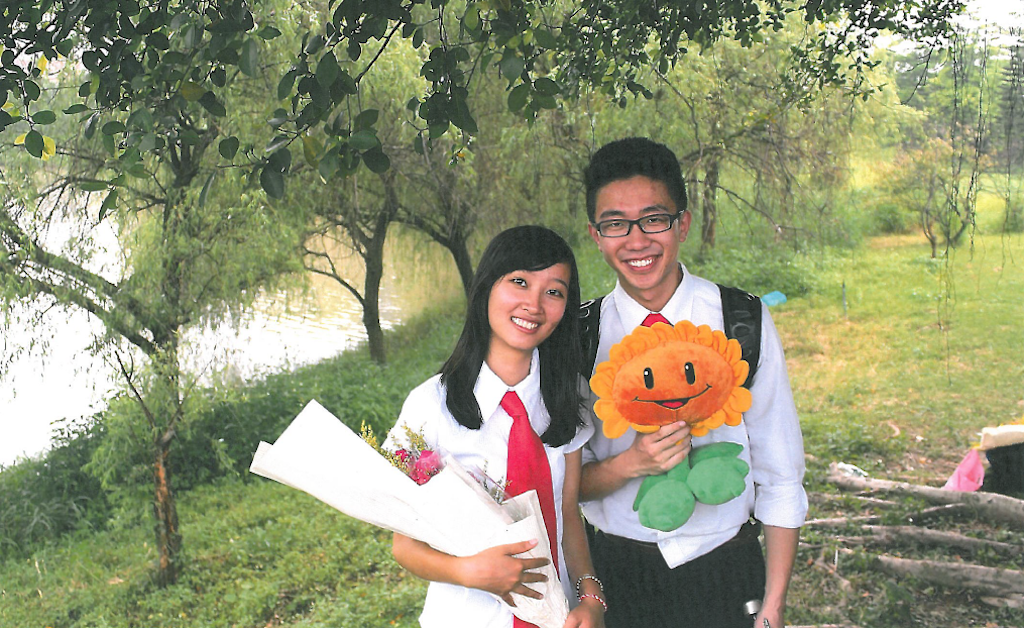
604 604
588 576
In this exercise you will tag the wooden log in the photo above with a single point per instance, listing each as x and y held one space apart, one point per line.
996 507
990 582
839 522
895 534
824 498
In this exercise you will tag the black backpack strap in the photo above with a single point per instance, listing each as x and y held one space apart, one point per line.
590 334
741 312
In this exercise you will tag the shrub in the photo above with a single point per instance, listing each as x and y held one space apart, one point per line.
46 497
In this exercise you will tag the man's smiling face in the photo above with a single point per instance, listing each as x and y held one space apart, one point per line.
646 263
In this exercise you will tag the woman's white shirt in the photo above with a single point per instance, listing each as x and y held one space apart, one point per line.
485 449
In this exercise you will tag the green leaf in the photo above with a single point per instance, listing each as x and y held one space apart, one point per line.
545 38
311 149
546 86
364 140
108 203
34 143
284 88
249 58
376 160
93 186
277 142
280 160
279 117
314 45
112 128
76 108
44 117
328 166
149 142
191 91
269 32
365 119
228 147
471 20
327 70
272 183
348 84
545 102
458 112
210 103
354 50
31 91
518 97
511 65
90 125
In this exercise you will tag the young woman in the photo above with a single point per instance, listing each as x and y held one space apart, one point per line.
520 337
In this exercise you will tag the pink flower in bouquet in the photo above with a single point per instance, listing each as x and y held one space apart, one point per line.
425 467
403 455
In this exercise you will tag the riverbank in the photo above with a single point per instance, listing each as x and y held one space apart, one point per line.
895 373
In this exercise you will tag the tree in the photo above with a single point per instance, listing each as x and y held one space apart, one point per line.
359 214
545 49
1011 120
186 258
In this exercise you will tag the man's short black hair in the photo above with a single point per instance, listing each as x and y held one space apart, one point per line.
627 158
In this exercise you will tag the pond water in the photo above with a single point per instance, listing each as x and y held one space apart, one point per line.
284 330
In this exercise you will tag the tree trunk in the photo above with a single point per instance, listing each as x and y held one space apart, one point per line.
374 259
709 207
460 251
165 513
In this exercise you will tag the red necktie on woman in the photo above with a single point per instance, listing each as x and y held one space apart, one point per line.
654 318
528 469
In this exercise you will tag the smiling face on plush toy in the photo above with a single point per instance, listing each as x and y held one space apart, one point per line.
663 374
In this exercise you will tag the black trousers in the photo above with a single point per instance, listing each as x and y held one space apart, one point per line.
707 592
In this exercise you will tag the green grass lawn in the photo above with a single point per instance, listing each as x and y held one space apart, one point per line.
897 381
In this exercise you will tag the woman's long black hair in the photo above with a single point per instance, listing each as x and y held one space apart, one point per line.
528 248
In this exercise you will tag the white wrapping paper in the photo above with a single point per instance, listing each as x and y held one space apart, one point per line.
321 456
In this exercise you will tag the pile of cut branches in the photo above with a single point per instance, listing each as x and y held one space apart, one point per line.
948 551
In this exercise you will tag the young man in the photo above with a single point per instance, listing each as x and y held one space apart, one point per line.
702 574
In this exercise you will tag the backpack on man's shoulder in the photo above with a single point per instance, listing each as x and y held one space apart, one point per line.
741 313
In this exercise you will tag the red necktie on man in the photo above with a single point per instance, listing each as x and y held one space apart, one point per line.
528 469
653 318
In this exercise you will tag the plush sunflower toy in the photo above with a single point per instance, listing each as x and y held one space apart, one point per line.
662 374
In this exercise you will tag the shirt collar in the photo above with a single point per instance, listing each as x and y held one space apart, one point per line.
489 388
679 306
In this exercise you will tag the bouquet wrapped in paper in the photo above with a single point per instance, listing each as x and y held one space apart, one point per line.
450 510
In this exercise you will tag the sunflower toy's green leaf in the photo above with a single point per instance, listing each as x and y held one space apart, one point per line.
714 450
667 506
717 480
649 482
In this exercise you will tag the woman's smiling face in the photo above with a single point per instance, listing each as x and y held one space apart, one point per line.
525 307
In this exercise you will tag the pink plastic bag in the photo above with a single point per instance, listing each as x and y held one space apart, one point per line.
969 474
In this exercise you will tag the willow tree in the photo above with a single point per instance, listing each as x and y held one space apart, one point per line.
195 243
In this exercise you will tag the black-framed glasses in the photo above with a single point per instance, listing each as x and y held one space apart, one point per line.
620 227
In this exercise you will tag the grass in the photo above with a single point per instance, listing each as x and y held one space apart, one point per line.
896 374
